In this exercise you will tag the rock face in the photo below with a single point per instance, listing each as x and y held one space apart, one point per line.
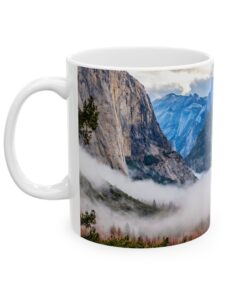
119 201
199 158
128 137
181 119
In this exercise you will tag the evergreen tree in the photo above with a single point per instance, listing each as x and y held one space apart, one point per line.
88 120
88 219
154 204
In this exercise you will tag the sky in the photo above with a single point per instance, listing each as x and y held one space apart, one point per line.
160 83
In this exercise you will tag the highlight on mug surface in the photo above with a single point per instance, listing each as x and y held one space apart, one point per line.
145 155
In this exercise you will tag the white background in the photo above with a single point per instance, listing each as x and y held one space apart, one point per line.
39 253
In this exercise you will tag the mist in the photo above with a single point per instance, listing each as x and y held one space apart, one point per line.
192 201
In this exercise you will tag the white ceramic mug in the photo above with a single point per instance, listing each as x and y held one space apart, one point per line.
139 144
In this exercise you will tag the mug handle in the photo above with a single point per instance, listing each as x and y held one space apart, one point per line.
56 191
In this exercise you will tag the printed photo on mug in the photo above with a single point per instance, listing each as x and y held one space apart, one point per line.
139 139
145 155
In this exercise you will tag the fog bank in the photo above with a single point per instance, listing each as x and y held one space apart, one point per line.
193 201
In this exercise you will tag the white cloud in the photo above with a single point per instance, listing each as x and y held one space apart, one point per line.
193 201
159 82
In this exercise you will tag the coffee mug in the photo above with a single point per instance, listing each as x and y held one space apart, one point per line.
139 122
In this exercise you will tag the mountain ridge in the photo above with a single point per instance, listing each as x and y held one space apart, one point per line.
128 137
182 118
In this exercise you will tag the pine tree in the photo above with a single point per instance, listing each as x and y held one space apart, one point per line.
154 204
88 219
88 120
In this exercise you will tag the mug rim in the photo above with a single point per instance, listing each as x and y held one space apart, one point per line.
75 58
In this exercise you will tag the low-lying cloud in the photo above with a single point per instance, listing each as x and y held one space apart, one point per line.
193 201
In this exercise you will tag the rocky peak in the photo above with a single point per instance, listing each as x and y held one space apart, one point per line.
128 137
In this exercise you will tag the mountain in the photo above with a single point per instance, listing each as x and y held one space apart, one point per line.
128 137
199 158
118 201
181 119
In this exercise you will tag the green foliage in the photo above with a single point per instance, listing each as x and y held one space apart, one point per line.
140 242
150 159
116 237
87 219
88 120
165 242
93 235
126 239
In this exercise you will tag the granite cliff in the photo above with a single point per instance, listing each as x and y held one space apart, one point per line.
128 137
181 119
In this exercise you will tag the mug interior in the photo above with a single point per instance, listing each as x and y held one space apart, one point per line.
140 57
